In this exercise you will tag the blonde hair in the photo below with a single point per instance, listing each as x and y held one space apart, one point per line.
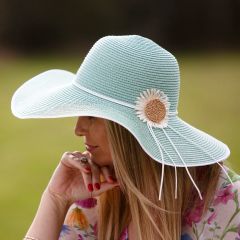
137 198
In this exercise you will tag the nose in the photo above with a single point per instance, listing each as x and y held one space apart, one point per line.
80 128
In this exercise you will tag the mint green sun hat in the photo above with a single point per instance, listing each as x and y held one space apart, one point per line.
130 80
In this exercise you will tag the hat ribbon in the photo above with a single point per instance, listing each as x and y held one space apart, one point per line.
156 140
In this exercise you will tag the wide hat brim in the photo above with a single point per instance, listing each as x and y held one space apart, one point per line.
51 94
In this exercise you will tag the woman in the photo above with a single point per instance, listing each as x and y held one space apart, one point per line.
133 182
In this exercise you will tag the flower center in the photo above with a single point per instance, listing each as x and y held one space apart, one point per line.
155 110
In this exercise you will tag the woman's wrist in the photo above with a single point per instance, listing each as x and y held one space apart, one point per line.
50 216
60 201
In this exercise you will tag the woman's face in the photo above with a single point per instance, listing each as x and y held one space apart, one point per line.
93 131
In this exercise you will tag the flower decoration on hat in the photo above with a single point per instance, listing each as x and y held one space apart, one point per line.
153 107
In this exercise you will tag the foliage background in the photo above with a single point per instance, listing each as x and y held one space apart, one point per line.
38 36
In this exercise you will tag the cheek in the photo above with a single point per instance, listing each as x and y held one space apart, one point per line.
104 151
102 156
101 139
102 160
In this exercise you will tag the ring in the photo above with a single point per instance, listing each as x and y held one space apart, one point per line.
84 160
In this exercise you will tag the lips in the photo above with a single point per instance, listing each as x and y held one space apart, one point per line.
90 147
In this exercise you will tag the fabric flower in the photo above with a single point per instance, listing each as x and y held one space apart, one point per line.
224 195
68 233
211 218
77 219
238 231
124 234
80 237
95 229
65 230
186 237
87 203
194 216
153 107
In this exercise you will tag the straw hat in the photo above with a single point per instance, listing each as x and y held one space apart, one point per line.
130 80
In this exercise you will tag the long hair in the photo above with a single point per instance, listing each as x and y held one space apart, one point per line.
137 198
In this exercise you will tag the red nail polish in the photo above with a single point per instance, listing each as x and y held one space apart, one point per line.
97 185
111 178
90 187
88 168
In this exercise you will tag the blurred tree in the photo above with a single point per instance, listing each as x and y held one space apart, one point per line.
36 25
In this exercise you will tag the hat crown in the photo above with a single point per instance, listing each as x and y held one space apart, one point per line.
122 67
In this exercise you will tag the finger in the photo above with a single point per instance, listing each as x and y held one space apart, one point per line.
91 180
75 156
88 154
107 173
95 169
105 186
87 178
69 160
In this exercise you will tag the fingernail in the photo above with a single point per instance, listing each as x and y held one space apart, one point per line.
90 187
97 185
111 178
87 168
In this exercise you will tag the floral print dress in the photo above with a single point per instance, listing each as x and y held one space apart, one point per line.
81 222
222 220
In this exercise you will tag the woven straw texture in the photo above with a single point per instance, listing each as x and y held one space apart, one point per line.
121 67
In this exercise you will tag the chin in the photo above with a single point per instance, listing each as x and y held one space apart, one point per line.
101 164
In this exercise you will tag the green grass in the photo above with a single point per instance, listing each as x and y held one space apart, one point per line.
31 148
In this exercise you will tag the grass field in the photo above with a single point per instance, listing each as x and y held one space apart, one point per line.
31 148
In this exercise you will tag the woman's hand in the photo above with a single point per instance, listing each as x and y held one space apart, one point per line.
71 181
